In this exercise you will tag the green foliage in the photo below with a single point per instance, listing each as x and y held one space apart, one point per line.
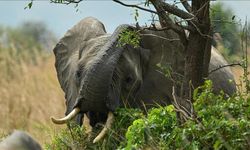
136 134
76 139
148 131
223 22
29 5
166 69
129 37
169 73
222 123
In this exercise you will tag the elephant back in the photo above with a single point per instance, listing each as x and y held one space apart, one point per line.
223 78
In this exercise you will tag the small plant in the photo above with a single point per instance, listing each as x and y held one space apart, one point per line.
148 131
129 37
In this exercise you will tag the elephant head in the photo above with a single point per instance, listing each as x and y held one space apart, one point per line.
98 76
95 72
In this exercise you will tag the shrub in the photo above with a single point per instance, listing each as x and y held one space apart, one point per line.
221 123
74 137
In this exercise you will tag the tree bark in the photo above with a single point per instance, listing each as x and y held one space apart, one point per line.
198 52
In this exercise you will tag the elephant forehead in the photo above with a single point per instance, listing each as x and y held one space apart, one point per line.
92 51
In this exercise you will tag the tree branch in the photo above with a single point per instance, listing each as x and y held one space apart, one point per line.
228 65
135 6
186 5
163 16
67 2
186 114
161 37
176 11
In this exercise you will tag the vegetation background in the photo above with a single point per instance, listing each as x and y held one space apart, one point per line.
30 92
29 89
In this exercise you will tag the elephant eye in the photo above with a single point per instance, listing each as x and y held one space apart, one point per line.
129 79
78 74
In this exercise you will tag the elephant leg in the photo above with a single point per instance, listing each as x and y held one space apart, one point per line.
86 125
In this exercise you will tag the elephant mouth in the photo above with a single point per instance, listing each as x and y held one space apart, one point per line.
86 123
112 96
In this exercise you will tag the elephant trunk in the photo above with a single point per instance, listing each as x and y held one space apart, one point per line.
95 85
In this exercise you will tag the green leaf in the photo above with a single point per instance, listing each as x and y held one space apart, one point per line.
29 5
170 108
217 144
129 37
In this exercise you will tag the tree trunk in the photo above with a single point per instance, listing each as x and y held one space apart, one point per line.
197 55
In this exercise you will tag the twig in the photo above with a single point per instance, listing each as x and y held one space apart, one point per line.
165 20
153 28
67 2
186 5
199 31
201 8
176 11
223 66
135 6
226 21
177 106
161 37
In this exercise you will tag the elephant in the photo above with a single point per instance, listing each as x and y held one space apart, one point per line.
98 76
19 140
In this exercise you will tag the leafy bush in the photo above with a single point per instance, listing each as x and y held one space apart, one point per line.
221 123
151 130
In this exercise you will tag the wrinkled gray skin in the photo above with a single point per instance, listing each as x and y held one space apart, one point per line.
19 140
98 76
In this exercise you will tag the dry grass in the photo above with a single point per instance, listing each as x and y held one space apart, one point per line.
29 94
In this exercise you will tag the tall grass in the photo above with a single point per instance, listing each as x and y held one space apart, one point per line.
29 90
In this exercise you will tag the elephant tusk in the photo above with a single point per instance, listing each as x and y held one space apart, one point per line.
64 120
86 124
107 125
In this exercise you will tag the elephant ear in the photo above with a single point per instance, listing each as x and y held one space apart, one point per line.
68 51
